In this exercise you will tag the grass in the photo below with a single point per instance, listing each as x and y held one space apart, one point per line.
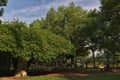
97 76
46 78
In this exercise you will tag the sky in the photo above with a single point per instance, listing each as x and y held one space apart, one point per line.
29 10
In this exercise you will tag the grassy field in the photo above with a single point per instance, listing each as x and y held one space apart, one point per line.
97 76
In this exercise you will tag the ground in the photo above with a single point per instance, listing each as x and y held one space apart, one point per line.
53 74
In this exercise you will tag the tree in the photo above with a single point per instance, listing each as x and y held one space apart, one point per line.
16 29
67 21
3 35
54 45
111 31
91 32
2 3
24 44
6 46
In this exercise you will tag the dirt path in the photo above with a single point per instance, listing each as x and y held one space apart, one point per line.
53 74
9 78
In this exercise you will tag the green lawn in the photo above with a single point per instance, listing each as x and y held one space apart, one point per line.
98 76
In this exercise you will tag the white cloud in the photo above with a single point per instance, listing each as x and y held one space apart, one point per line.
28 10
30 13
31 9
55 4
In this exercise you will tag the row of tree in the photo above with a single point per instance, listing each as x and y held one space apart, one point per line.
86 30
62 37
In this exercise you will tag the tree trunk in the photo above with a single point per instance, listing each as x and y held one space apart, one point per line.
108 61
15 62
29 62
21 69
56 63
117 64
107 68
75 61
86 64
93 56
72 61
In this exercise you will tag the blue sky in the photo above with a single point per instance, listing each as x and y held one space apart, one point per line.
29 10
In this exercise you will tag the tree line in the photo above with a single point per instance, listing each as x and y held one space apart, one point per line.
63 38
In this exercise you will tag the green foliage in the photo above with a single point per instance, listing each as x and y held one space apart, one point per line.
91 33
110 11
31 42
110 17
2 3
56 44
6 39
67 21
52 44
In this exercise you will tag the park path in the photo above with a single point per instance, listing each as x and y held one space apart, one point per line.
9 78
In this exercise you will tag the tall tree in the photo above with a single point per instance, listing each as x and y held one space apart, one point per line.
110 11
91 32
66 21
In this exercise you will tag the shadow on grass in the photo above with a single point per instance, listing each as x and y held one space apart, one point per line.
94 76
44 71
